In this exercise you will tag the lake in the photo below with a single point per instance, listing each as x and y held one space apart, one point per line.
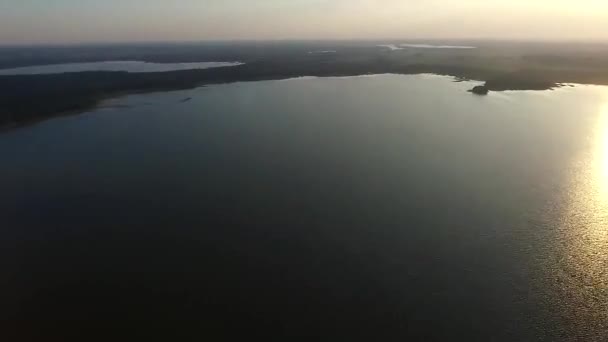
124 66
379 207
404 46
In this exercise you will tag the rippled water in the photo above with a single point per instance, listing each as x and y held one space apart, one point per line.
381 207
126 66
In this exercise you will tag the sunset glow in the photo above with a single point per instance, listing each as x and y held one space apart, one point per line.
152 20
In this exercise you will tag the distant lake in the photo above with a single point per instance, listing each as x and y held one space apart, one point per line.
380 207
424 46
127 66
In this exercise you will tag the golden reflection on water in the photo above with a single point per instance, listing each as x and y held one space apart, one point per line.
595 229
584 230
595 193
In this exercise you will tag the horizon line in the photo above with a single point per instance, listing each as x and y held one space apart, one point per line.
311 40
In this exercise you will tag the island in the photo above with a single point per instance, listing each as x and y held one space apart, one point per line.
480 90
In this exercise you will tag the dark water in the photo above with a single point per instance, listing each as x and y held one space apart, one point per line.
372 208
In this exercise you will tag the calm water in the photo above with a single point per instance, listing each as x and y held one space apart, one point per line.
374 208
127 66
404 46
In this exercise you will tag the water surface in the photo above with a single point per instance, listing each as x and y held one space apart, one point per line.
404 46
126 66
380 207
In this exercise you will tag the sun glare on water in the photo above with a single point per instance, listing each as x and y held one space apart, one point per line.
589 212
601 155
583 231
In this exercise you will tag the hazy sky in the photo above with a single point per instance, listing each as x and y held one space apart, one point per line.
69 21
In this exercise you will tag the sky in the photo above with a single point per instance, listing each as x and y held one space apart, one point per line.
81 21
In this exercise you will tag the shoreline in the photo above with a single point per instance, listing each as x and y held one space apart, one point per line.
25 109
